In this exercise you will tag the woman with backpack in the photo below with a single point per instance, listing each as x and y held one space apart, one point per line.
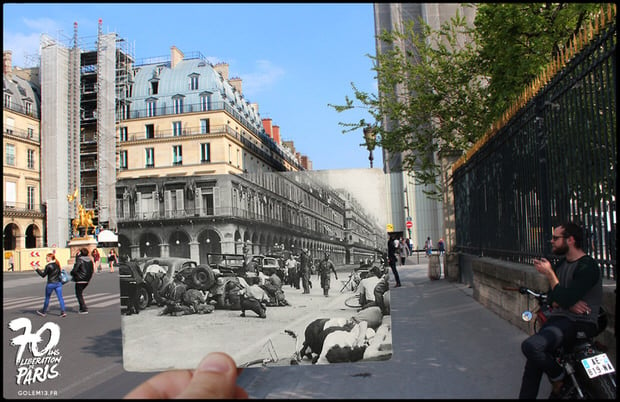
54 284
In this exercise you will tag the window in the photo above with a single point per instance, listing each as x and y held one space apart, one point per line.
178 105
154 87
177 155
150 157
123 159
31 159
193 82
151 107
10 195
205 102
205 126
123 134
205 152
230 154
7 101
31 199
28 107
10 154
30 132
150 130
176 128
9 125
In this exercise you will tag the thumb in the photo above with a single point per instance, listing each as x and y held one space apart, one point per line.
214 378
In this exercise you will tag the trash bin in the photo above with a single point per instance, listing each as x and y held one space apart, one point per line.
434 268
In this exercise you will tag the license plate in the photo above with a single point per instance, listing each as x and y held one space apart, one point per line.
597 365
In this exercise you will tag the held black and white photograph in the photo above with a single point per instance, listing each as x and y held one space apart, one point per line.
275 269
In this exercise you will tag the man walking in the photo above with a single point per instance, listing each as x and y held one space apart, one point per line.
392 257
82 272
325 267
304 268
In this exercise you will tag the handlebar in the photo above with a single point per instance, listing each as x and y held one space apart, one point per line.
525 290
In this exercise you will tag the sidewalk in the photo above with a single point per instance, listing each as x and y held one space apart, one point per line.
446 345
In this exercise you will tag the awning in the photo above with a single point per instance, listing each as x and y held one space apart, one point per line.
107 236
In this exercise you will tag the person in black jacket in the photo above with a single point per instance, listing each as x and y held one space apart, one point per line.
392 248
82 272
52 271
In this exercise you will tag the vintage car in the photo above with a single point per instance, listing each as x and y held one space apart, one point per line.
185 270
266 264
225 264
132 284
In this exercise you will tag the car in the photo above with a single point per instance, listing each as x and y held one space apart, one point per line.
132 283
226 264
185 270
267 265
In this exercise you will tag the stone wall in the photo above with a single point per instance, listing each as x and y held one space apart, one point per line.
491 275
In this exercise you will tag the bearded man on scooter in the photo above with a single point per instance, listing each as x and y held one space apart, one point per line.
576 295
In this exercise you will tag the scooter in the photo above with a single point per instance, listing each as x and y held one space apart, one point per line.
591 373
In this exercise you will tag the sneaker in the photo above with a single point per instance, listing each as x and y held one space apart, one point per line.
41 313
83 312
63 314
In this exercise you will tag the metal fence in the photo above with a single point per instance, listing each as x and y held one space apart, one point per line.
554 160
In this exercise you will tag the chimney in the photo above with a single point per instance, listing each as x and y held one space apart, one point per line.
222 68
8 69
276 134
236 83
175 56
267 127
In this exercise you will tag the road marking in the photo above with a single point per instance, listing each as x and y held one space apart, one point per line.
94 300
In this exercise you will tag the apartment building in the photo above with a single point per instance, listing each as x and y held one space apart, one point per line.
23 215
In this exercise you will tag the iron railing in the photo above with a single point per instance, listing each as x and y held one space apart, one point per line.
554 160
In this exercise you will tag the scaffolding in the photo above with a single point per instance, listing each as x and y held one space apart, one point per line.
84 93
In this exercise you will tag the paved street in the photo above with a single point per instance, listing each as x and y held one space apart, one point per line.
446 345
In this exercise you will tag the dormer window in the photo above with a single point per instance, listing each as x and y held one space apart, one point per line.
193 82
178 104
205 101
151 107
154 87
28 107
7 101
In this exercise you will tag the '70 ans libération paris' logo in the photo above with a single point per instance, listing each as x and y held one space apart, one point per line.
43 364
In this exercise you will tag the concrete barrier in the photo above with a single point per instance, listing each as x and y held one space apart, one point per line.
491 275
434 267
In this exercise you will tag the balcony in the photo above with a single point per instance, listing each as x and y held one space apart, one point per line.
16 132
22 209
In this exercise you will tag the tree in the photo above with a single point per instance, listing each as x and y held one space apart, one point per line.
516 41
444 88
427 90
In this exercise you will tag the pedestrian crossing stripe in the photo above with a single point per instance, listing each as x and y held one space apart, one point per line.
94 300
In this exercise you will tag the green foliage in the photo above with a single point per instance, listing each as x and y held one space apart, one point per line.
442 89
517 40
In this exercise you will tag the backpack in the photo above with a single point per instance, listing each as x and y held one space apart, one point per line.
64 276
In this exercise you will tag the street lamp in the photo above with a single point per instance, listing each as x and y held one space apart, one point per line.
371 140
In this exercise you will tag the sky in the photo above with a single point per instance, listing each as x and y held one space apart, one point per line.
294 59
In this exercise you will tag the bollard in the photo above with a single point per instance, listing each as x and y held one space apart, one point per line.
434 268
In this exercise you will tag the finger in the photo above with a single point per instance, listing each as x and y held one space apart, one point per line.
215 378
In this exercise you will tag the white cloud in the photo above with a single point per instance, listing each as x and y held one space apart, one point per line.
25 45
265 76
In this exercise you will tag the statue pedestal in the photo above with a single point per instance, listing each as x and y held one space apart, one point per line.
77 243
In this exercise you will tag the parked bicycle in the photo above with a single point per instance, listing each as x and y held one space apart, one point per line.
591 373
274 359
